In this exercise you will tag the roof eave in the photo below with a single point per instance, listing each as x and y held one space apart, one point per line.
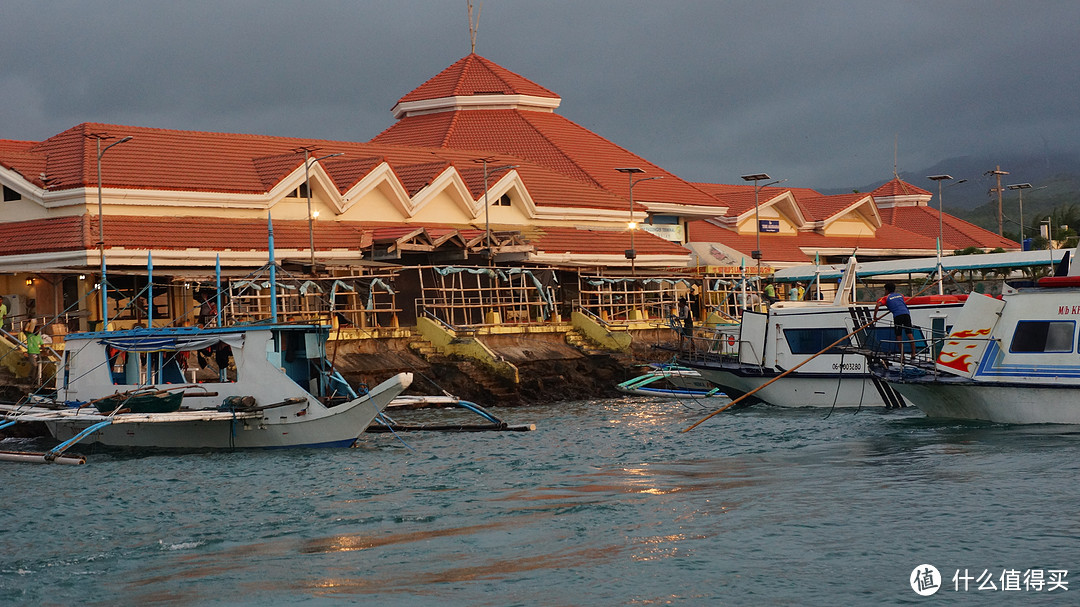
476 102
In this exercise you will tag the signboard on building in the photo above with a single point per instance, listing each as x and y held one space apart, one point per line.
769 225
667 231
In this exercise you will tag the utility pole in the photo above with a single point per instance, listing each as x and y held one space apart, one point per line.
998 172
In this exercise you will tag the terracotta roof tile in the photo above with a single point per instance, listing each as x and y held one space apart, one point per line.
956 233
174 233
547 140
792 248
898 187
602 242
475 75
46 236
820 208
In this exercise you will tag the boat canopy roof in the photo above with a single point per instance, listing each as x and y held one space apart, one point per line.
924 265
183 339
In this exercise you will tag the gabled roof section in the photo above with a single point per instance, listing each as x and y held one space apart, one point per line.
272 169
739 198
416 177
347 172
824 210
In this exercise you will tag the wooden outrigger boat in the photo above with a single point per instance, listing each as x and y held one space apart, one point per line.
670 381
284 392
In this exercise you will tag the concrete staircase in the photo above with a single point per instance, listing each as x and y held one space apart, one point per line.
577 340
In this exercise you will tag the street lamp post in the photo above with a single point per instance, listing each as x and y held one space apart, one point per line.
1020 187
941 234
487 205
757 178
631 253
101 228
310 217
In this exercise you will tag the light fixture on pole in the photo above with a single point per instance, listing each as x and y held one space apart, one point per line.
101 225
1020 187
941 236
307 186
757 178
997 172
631 253
487 205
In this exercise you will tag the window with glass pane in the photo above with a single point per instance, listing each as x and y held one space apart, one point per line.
812 341
1043 336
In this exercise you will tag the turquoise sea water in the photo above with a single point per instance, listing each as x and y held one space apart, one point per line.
605 504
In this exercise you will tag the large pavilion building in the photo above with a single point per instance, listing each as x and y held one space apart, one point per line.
478 170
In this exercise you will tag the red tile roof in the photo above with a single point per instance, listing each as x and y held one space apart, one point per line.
821 208
601 242
774 247
475 75
898 187
956 233
547 140
161 159
217 234
46 236
791 248
174 233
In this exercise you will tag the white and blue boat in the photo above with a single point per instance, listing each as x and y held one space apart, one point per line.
274 389
1012 359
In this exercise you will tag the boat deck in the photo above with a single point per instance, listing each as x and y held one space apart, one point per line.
42 414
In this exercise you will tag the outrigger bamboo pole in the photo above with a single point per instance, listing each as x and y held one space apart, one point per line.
786 373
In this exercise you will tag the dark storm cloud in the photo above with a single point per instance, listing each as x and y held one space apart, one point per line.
816 92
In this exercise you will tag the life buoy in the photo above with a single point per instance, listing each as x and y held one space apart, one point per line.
730 340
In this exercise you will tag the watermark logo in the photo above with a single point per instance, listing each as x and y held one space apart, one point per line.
925 580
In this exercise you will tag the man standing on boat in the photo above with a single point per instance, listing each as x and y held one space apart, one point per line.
901 317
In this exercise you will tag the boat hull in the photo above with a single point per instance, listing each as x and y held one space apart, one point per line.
300 425
803 390
994 402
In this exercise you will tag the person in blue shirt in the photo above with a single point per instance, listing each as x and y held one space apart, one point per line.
901 317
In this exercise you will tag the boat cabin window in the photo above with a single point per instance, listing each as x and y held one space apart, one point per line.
812 341
1043 336
131 368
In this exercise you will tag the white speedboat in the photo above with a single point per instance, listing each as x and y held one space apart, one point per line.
283 392
1010 360
794 333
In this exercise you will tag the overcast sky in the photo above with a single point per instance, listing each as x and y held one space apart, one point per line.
813 91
